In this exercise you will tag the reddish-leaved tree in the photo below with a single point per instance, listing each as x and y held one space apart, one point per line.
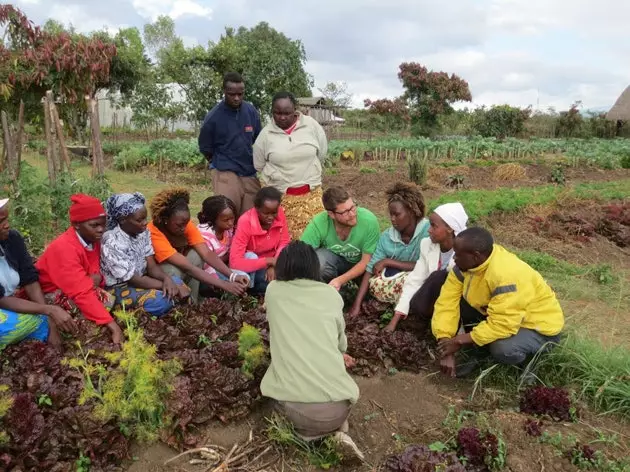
431 93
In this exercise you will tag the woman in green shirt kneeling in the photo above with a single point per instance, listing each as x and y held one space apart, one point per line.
307 376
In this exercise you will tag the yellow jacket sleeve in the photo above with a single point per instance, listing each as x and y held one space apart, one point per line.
505 316
445 321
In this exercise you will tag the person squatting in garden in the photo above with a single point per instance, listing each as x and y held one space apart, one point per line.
128 262
398 248
216 225
307 376
503 304
422 286
289 154
70 267
344 237
181 250
226 138
261 234
24 313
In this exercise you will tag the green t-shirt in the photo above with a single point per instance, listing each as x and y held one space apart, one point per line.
362 239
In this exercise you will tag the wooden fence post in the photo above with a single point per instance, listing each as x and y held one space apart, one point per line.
98 166
63 150
9 144
18 140
50 143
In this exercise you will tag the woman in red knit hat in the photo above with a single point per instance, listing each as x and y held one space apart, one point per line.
69 269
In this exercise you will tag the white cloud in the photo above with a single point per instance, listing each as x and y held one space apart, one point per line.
151 9
514 51
79 17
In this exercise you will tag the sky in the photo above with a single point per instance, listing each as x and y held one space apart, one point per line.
543 53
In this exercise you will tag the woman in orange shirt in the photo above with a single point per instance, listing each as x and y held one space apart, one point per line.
180 248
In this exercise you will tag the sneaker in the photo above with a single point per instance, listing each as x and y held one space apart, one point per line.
347 446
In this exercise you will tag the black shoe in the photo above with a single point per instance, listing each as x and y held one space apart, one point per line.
465 367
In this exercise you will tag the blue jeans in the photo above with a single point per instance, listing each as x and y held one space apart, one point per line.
257 282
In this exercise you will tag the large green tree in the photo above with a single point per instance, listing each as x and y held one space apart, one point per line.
272 62
268 60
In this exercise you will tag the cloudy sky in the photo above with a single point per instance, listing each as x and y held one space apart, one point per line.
522 52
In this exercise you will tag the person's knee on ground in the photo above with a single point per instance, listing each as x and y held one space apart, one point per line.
423 301
327 264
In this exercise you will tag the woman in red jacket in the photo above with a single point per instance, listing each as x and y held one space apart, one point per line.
69 269
261 234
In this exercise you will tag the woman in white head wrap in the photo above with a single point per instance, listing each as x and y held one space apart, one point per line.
423 284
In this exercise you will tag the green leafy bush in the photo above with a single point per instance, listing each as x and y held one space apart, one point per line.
178 152
251 349
500 121
134 388
39 211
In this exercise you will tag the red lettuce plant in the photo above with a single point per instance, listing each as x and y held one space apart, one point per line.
419 458
479 449
546 401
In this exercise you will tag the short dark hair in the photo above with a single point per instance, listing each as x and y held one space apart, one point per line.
233 77
212 207
267 193
298 261
282 95
334 196
478 240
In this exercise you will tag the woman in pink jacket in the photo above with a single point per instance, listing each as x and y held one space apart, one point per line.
261 234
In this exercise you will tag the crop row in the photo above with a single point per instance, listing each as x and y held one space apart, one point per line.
606 153
602 152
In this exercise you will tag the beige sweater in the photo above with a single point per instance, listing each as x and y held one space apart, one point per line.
293 160
308 339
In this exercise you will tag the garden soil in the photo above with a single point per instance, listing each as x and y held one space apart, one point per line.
402 409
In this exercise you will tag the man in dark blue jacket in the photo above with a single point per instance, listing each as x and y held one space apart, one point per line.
226 139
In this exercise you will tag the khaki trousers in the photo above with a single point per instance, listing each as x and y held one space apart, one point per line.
315 420
193 284
241 190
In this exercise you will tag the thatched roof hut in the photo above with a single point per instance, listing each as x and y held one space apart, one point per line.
621 109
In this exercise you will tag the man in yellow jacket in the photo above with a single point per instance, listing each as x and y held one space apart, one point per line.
501 302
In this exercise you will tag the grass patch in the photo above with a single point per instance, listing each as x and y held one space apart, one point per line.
596 374
599 375
322 454
480 203
575 282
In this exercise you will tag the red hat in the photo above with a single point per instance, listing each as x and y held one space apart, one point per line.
85 208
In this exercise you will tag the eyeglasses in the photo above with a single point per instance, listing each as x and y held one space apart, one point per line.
352 209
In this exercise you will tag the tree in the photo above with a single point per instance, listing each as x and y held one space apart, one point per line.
130 66
500 121
336 94
267 59
392 114
160 36
431 94
270 62
33 60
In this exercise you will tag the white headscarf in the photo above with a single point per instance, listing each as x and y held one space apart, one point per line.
453 215
3 202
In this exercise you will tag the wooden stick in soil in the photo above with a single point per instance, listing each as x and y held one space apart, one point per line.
223 465
8 143
49 143
65 158
53 132
190 451
98 168
18 139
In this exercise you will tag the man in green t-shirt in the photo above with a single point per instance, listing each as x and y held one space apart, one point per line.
344 236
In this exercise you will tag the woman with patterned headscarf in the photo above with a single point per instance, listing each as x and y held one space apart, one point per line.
128 262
